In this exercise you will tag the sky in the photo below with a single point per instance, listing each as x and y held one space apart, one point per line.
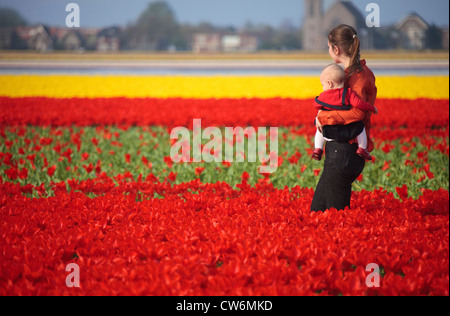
102 13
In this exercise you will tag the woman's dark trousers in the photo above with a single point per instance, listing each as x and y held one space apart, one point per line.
341 168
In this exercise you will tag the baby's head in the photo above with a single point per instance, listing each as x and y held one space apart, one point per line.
332 77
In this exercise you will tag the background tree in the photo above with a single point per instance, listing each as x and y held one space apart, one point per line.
434 37
155 29
11 18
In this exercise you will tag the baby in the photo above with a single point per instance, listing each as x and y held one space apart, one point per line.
337 97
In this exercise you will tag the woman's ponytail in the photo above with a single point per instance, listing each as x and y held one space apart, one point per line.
355 55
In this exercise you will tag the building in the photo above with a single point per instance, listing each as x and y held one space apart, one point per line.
204 42
216 42
318 23
108 39
445 38
412 32
249 43
36 38
313 32
72 40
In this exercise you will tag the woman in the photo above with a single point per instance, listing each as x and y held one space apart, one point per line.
342 164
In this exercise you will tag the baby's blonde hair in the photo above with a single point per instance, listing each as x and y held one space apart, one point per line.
334 73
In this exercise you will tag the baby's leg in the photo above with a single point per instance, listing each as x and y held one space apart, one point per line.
362 143
362 139
319 141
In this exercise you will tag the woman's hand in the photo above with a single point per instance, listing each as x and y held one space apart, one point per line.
376 110
318 125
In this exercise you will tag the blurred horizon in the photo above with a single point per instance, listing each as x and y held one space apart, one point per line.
230 13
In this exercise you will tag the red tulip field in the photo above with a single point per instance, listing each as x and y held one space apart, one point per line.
89 179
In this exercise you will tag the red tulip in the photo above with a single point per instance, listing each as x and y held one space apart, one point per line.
198 171
403 192
51 170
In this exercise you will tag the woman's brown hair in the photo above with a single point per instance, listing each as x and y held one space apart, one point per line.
346 38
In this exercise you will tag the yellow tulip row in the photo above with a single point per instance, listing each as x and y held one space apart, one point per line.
297 87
